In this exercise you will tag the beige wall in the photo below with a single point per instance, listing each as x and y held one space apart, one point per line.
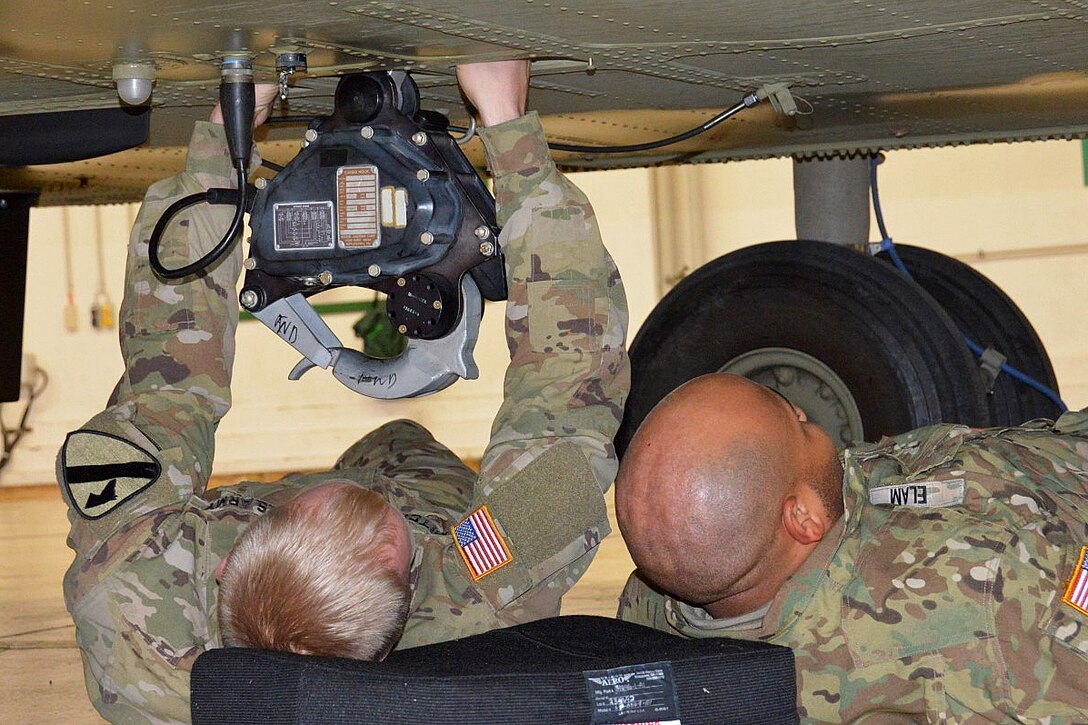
961 201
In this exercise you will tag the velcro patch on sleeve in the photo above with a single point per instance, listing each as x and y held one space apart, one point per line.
480 544
1076 591
100 471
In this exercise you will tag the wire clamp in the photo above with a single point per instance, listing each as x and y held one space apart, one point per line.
780 97
990 362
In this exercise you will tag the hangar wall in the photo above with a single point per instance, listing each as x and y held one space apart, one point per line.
1020 201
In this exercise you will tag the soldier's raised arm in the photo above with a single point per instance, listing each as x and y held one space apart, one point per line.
539 497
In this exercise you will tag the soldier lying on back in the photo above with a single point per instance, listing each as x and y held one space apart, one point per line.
399 544
941 577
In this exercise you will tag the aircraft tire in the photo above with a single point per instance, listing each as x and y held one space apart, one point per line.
890 344
983 312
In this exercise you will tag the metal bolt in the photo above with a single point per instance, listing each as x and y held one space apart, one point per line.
426 238
403 329
401 281
487 249
311 134
374 270
261 182
250 263
437 304
325 277
367 132
423 174
419 138
482 232
248 299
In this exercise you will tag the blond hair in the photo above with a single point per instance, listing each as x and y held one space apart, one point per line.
317 577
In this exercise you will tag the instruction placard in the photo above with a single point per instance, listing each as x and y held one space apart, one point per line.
357 217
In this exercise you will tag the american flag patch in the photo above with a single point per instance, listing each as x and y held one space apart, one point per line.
481 546
1076 592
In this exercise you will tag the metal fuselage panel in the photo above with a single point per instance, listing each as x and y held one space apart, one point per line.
886 75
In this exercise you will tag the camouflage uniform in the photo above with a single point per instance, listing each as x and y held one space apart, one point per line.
148 537
939 596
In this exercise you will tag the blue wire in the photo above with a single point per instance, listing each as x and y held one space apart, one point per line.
887 245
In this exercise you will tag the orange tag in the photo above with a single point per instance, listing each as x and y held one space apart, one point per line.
1076 591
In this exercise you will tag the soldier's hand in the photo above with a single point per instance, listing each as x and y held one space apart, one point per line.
264 95
497 89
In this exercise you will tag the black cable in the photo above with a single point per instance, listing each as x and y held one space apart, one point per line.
216 252
650 145
747 102
271 165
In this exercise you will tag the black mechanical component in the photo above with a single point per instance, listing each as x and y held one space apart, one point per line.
984 313
380 197
786 313
421 306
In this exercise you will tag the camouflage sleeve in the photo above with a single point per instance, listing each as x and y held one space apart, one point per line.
566 318
537 511
154 442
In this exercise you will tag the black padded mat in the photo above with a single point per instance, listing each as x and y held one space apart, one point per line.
532 673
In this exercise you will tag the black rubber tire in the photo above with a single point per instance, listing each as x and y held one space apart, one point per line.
984 313
899 354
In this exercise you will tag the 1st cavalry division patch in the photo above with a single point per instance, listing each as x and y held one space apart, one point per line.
101 471
481 545
1076 592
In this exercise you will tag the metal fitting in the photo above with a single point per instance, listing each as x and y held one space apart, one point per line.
419 138
311 134
374 270
260 182
367 132
401 281
482 232
426 238
423 174
325 277
250 263
487 249
403 329
437 304
248 298
290 59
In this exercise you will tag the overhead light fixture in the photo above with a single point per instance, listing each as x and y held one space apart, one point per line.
134 80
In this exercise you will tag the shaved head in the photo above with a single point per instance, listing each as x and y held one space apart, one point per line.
708 481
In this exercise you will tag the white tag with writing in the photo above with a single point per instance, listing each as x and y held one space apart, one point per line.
921 494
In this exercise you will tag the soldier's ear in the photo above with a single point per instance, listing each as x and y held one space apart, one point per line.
222 566
804 522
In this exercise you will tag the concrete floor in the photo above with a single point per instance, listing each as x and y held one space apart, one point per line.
41 676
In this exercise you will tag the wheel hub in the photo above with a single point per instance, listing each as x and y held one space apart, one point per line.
809 384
